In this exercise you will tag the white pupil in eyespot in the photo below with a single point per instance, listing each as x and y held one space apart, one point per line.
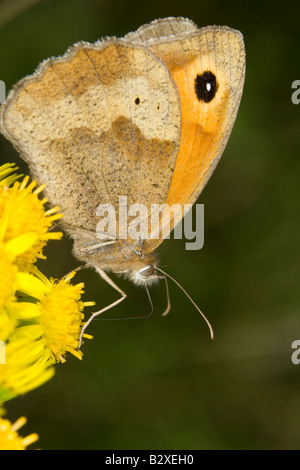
208 86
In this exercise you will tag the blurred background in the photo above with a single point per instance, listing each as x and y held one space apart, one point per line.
161 383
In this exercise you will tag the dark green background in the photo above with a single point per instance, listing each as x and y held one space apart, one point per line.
161 383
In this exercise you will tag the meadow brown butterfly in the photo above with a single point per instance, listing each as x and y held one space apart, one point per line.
145 117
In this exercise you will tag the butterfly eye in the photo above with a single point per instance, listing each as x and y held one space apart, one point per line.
147 271
206 86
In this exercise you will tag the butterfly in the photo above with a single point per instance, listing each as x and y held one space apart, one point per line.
146 117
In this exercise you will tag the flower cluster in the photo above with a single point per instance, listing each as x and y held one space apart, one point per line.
40 318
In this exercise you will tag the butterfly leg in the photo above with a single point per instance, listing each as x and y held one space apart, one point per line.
106 278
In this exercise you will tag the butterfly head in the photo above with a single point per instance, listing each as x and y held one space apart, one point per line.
146 275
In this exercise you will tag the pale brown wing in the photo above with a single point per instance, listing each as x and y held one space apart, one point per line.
194 56
100 122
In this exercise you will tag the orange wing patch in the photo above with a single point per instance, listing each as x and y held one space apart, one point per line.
207 114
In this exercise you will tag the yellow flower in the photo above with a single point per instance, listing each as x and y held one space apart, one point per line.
9 252
27 365
21 212
53 322
8 323
52 327
58 313
40 319
62 330
9 437
8 272
6 178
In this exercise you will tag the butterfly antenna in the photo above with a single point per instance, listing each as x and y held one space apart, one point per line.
168 297
191 300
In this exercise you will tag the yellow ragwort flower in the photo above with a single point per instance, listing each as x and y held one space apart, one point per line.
8 276
10 438
52 327
7 175
8 323
58 313
40 319
9 253
26 366
23 212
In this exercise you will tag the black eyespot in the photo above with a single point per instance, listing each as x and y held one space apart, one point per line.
137 101
206 86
